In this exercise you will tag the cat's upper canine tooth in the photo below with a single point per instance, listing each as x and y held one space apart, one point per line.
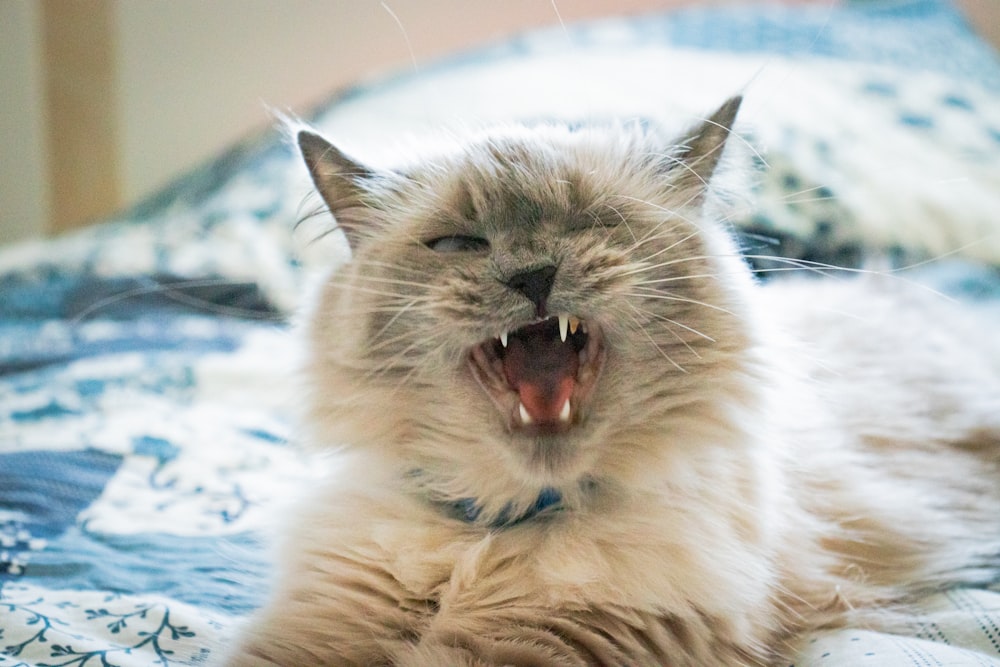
503 338
568 323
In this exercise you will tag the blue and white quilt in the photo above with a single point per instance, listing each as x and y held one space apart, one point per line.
147 389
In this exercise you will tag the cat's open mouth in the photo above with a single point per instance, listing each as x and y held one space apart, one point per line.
541 375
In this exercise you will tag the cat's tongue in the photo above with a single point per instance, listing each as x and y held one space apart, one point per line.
542 369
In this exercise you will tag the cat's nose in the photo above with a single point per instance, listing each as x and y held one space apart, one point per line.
535 284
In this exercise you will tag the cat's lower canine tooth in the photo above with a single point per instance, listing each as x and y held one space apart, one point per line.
564 414
525 417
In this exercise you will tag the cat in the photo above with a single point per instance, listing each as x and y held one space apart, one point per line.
577 431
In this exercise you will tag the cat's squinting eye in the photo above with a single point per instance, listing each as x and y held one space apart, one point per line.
458 243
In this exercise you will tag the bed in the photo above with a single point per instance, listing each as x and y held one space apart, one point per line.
146 395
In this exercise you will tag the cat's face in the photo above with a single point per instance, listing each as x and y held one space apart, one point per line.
529 308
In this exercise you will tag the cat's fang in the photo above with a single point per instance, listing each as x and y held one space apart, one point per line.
525 417
503 338
568 324
564 415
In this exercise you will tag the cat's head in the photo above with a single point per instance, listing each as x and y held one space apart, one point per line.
537 308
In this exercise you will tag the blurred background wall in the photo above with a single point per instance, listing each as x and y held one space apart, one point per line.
104 101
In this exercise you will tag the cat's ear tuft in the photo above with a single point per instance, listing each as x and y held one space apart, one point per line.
700 150
339 180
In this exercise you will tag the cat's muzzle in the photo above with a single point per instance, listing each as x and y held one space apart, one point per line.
541 376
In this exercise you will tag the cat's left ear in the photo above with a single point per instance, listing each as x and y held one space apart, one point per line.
339 180
699 152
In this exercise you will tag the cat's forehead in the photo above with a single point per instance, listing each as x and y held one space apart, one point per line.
547 151
531 175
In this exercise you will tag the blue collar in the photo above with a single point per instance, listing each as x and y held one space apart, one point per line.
468 510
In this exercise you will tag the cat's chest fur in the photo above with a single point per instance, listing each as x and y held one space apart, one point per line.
591 568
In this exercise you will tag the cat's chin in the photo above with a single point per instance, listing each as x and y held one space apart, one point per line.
541 376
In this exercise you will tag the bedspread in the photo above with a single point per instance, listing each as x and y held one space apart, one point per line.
147 392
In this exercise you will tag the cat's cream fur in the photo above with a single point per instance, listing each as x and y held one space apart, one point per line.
750 463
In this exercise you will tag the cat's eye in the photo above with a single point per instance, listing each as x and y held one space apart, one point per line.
458 243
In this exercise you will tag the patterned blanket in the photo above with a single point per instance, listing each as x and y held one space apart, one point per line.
146 393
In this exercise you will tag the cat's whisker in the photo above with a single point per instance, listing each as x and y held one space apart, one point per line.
674 213
404 336
391 270
394 363
796 196
656 234
377 292
434 352
830 271
379 342
683 239
175 291
368 262
646 268
796 264
318 209
657 294
687 165
357 313
639 328
406 283
686 276
746 143
621 217
665 322
320 212
392 320
362 265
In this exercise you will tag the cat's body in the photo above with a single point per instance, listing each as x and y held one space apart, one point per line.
703 470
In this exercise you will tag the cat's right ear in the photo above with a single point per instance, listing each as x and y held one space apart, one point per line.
339 180
701 149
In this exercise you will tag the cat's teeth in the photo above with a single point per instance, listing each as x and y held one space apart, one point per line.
574 324
525 417
503 339
565 413
563 326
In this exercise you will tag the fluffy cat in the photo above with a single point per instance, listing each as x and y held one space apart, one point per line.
579 433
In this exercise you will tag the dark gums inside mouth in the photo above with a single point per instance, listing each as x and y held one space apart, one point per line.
541 375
